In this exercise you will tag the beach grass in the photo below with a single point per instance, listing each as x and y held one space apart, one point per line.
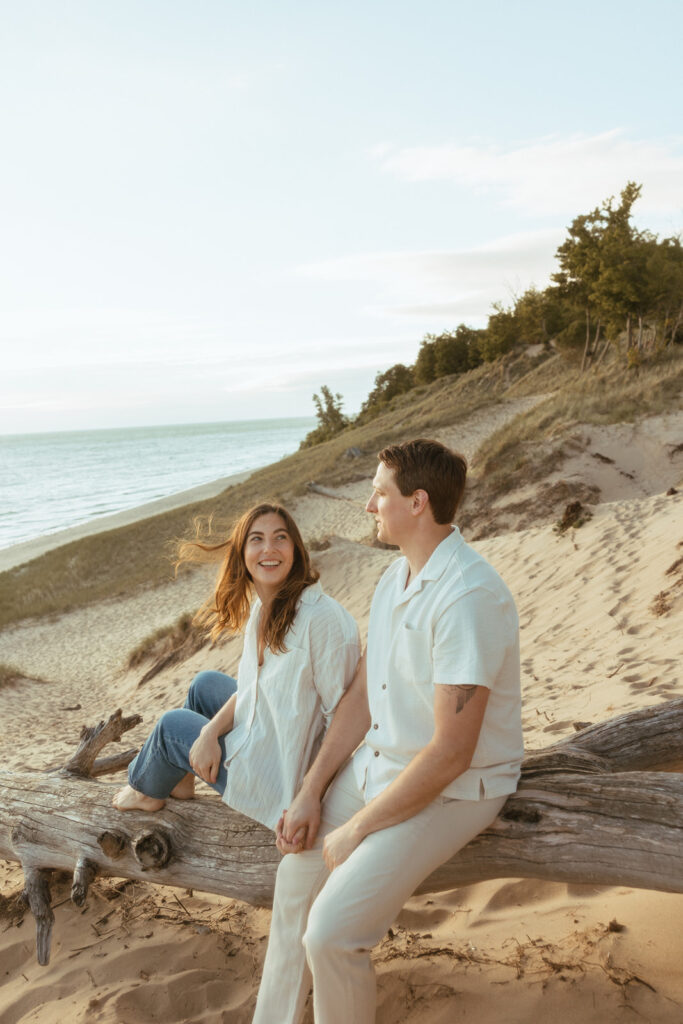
616 394
125 560
10 675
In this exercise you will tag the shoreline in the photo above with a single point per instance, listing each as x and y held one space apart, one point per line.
25 551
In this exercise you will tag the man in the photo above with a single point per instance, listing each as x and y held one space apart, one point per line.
435 707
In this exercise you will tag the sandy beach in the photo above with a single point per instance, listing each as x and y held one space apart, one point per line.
509 950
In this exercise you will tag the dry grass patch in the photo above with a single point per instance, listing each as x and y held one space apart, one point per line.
10 676
120 562
613 395
661 604
169 645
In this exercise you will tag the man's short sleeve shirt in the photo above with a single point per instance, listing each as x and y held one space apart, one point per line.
454 624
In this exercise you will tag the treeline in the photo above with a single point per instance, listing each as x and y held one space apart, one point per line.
615 287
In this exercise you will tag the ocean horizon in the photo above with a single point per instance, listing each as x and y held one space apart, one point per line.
54 480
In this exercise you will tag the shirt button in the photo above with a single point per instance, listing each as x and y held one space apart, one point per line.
375 726
377 753
384 686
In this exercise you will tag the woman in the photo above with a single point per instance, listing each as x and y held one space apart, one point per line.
252 739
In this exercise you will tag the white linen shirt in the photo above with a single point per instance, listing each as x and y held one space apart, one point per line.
454 624
284 706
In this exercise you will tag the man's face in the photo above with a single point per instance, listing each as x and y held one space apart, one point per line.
391 509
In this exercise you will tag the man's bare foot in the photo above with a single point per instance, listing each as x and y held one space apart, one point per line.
185 788
128 799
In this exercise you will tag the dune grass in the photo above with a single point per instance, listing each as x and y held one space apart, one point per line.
613 395
163 640
10 676
119 562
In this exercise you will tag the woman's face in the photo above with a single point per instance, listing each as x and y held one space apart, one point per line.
268 554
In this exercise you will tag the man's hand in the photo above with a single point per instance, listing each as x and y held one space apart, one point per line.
297 844
205 756
298 827
340 844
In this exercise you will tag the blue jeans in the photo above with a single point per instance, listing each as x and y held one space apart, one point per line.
164 758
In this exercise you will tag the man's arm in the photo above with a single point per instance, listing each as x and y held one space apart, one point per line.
298 827
458 714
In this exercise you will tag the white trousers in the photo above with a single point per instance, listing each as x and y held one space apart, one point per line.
324 925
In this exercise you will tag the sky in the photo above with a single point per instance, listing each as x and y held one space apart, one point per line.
208 209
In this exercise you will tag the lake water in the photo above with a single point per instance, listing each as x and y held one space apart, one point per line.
52 481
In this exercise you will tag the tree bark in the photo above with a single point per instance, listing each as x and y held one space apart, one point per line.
603 807
586 348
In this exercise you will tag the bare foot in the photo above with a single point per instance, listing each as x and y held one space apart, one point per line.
128 799
185 788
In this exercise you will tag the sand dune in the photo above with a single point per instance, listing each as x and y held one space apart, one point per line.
595 642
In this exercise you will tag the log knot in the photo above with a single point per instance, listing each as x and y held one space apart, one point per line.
153 849
112 844
518 811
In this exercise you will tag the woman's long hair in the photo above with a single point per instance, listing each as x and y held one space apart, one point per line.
229 609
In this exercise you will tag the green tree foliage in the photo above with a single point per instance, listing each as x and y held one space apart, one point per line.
620 279
331 419
501 335
395 381
451 352
613 282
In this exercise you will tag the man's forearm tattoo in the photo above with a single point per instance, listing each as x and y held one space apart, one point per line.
462 695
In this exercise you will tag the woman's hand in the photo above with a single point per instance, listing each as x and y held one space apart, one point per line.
340 844
205 756
298 826
296 844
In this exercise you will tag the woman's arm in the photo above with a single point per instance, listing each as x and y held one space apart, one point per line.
298 827
206 752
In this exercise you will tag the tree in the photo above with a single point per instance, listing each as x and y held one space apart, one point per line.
501 335
392 382
424 368
331 419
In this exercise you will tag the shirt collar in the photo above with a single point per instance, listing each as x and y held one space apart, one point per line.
434 567
441 555
309 595
312 593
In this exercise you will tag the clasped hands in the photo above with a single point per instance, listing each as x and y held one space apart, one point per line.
298 827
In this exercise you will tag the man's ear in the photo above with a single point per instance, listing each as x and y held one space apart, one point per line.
419 502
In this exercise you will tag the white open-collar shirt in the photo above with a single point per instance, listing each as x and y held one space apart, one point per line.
454 624
284 706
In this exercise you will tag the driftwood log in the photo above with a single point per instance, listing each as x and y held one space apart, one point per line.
604 807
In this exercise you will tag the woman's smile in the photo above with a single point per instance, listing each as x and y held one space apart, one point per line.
268 554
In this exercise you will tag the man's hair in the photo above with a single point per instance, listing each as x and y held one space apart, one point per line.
432 467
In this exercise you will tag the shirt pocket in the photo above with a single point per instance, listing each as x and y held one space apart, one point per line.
412 655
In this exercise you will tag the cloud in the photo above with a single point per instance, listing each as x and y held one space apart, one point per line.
551 175
442 287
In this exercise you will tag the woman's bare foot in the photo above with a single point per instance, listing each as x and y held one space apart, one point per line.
128 799
185 788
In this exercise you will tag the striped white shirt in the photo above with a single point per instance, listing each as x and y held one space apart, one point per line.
284 706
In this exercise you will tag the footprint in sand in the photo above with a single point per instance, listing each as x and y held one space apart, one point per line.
192 996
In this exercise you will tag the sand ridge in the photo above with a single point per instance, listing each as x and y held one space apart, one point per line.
508 950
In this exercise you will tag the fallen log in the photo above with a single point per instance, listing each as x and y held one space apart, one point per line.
604 806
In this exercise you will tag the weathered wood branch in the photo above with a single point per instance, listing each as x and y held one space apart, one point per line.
96 737
589 809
